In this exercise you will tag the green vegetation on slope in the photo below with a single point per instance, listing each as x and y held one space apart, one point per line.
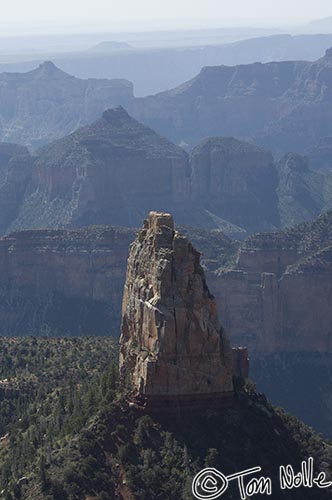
49 389
68 433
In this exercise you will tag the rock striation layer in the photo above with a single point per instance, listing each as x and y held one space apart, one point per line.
172 346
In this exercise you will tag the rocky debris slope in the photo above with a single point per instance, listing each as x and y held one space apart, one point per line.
7 152
172 345
46 103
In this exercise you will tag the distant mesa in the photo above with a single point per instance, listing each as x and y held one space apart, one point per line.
323 25
235 180
173 349
111 46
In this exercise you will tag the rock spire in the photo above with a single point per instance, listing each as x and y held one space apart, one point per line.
172 346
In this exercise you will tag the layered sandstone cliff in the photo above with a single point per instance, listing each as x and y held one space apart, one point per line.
110 172
277 297
172 344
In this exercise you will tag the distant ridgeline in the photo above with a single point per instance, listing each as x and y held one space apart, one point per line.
282 106
116 170
70 282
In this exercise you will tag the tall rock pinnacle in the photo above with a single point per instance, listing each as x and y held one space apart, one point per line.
172 346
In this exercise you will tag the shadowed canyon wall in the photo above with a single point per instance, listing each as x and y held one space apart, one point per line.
62 282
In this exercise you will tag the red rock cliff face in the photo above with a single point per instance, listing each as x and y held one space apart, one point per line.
171 344
278 297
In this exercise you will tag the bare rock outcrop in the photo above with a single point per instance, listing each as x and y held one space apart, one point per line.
172 345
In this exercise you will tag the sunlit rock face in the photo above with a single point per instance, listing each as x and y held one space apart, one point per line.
172 344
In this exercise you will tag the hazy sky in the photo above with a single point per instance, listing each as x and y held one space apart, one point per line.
140 13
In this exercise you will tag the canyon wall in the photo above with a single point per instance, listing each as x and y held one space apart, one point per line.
55 282
70 282
276 298
278 295
236 181
273 291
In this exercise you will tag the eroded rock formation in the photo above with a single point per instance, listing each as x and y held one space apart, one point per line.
172 344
